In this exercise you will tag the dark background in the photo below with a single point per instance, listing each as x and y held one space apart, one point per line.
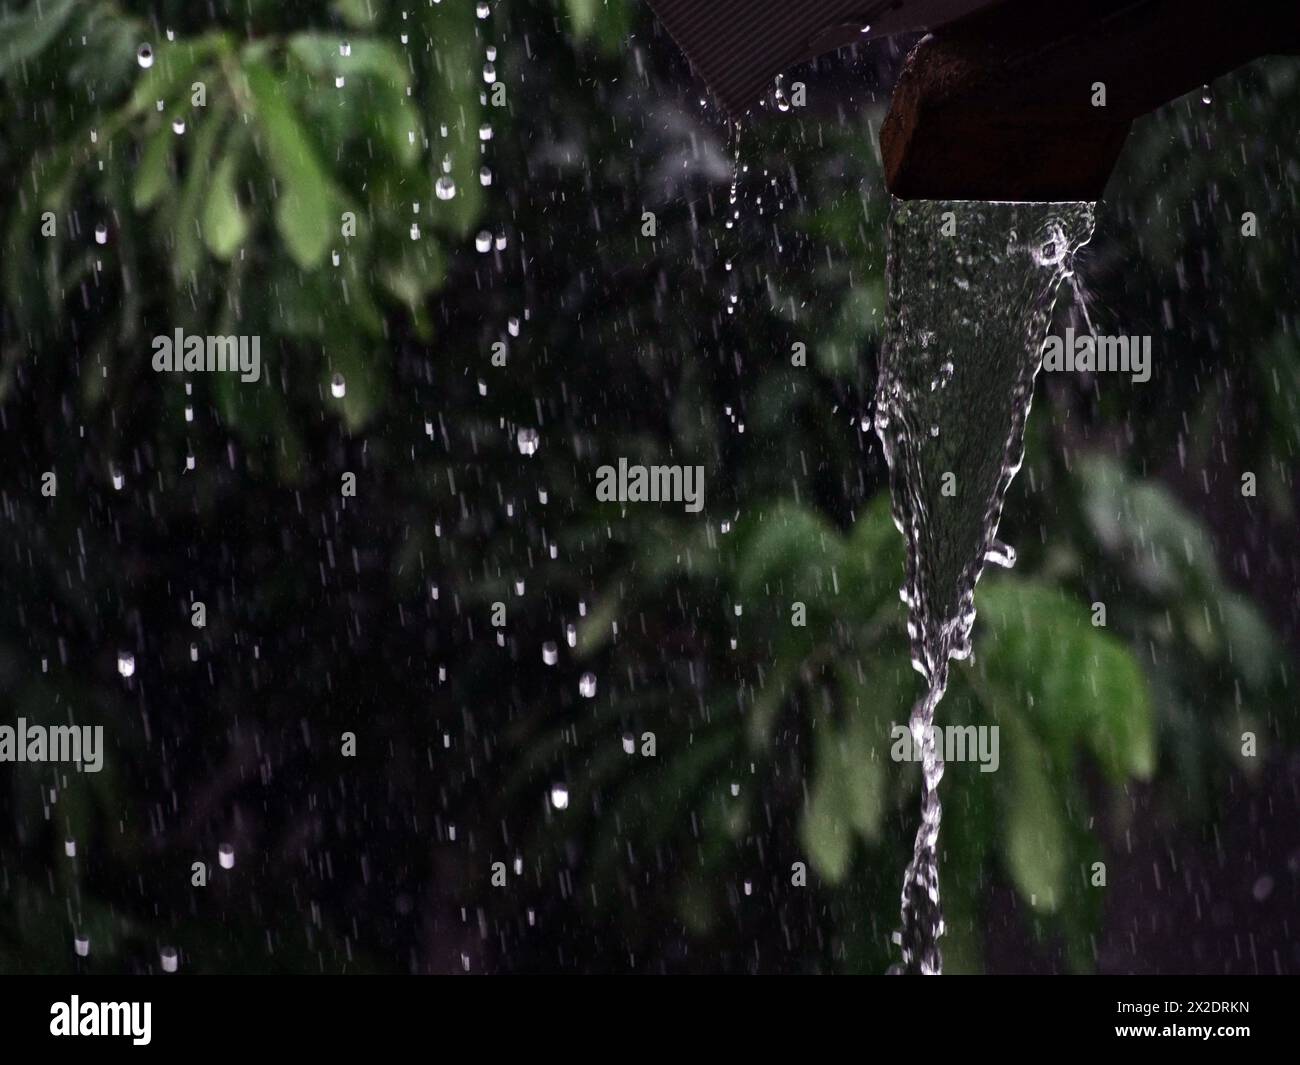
372 614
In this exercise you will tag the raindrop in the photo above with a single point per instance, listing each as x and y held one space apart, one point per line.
334 257
485 132
415 230
629 743
345 48
735 789
483 242
444 188
550 653
1206 96
226 856
489 73
169 958
404 38
70 847
101 234
339 81
189 413
749 887
338 386
571 635
482 11
126 663
189 462
81 944
560 796
178 126
144 56
587 686
512 326
194 652
528 440
485 176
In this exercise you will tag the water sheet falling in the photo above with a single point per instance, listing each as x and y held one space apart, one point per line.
971 288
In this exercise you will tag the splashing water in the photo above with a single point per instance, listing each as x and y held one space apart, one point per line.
971 288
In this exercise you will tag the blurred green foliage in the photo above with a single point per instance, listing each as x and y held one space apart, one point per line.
772 739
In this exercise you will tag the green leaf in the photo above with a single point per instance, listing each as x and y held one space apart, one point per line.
357 13
1252 645
363 374
826 834
1041 657
169 77
27 33
224 224
187 226
789 550
153 175
1167 547
413 275
305 211
582 15
875 558
1035 844
848 795
859 317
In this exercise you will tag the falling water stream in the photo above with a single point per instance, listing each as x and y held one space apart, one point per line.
971 289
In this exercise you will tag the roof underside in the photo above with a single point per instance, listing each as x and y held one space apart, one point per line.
737 47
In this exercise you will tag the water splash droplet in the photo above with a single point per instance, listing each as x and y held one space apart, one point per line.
528 441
